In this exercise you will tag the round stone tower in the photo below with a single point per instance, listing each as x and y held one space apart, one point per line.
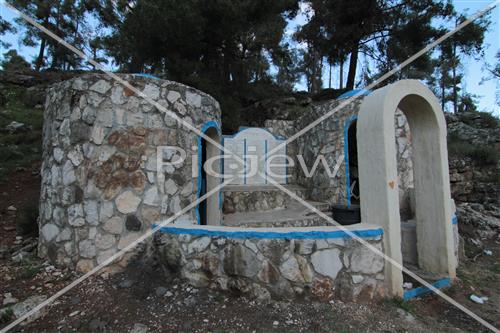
100 184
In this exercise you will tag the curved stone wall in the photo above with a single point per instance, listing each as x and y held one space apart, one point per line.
100 189
320 262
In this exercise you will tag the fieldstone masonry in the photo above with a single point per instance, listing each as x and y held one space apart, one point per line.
100 185
264 268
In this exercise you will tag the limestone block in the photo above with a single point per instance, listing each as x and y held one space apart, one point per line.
87 249
327 262
101 86
364 260
198 245
114 225
290 270
103 242
127 202
49 231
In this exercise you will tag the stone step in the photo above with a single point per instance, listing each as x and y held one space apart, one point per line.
295 215
252 198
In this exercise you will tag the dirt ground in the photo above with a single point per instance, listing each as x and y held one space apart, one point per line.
144 298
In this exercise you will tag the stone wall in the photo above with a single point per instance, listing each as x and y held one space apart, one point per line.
100 186
253 262
255 199
328 139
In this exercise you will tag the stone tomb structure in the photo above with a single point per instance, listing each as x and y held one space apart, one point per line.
116 164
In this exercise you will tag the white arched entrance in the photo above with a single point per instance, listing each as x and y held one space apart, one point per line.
378 176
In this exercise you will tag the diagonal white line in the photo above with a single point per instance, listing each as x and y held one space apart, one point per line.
386 257
387 75
108 261
123 82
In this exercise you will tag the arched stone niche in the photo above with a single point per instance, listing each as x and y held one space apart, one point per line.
100 186
378 176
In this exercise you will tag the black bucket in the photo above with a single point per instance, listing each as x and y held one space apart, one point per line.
346 215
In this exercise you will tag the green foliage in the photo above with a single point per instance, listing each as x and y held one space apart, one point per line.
482 155
13 62
402 304
27 219
6 315
489 120
29 271
19 149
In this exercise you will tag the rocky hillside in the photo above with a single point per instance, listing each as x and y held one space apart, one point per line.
473 145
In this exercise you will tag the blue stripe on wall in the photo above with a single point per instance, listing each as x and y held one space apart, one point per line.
271 234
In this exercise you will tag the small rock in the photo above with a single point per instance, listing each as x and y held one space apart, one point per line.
126 284
74 313
488 252
27 305
139 328
15 127
12 209
275 323
161 291
8 299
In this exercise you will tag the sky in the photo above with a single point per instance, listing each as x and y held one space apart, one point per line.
474 69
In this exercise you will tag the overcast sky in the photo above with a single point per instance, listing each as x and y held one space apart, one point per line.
474 69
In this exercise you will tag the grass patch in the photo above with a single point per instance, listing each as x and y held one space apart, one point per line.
29 272
26 219
400 303
6 316
19 149
482 155
495 268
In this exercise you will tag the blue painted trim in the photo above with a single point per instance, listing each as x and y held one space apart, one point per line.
265 156
149 76
454 219
347 124
354 92
245 161
243 129
409 294
204 128
370 233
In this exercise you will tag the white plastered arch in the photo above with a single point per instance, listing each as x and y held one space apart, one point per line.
378 176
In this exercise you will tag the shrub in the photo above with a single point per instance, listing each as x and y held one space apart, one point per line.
26 219
6 315
482 155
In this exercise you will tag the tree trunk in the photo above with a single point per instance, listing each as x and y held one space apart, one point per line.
353 63
454 73
39 59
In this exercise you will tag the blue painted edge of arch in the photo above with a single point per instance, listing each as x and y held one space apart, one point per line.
347 124
354 92
412 293
149 76
369 233
454 219
204 128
